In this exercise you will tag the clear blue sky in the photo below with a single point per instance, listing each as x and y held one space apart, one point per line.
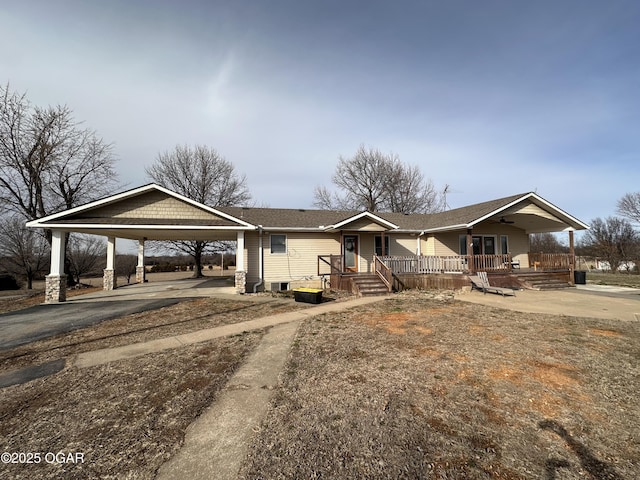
492 98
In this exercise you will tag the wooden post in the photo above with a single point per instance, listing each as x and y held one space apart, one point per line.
472 268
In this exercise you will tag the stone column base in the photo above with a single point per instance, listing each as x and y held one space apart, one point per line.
140 274
109 279
55 289
241 282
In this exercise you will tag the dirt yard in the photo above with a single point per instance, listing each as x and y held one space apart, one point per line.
417 386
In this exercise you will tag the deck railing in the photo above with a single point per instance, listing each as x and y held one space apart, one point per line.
446 263
334 262
550 261
384 272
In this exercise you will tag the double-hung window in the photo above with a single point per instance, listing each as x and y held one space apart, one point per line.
378 245
278 243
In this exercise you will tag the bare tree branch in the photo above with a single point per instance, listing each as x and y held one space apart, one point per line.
371 180
47 163
629 206
203 175
23 252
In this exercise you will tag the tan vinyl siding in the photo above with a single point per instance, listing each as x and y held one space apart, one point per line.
403 244
364 225
429 245
446 244
301 259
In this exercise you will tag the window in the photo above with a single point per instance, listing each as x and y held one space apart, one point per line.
378 245
278 243
481 245
504 244
463 244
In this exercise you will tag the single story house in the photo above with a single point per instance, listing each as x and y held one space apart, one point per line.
287 248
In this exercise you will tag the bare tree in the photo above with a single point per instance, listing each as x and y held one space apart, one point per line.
126 266
546 242
629 206
47 162
612 239
409 192
371 180
86 255
23 252
202 174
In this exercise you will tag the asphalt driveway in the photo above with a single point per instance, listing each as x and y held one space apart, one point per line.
42 321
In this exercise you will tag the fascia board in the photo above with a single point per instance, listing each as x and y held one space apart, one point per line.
560 212
292 229
538 200
370 215
498 210
119 226
132 193
449 228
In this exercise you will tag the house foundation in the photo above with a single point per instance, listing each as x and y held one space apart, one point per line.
55 288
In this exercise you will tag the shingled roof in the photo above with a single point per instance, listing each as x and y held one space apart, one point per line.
113 214
289 218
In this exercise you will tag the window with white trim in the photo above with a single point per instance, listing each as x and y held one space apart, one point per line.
504 244
378 245
278 243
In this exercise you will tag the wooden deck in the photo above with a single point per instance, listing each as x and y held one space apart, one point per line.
545 271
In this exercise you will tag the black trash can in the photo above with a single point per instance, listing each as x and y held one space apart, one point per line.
579 277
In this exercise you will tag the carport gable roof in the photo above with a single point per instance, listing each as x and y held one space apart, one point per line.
148 207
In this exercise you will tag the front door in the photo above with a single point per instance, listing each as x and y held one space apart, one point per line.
350 246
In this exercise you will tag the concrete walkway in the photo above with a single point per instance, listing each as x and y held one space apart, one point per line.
590 301
216 444
99 357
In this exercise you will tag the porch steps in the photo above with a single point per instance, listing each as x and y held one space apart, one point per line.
368 285
541 282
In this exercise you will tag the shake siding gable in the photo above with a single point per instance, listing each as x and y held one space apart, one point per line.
152 205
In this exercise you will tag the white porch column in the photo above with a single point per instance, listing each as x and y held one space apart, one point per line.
109 279
56 281
140 271
241 275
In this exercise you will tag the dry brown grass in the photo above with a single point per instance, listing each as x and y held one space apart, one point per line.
186 316
127 417
417 387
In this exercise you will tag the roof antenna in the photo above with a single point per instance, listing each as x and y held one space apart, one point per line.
444 196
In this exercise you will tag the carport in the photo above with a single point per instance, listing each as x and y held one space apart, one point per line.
150 212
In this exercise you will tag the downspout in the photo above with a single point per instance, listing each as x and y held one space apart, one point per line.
260 261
